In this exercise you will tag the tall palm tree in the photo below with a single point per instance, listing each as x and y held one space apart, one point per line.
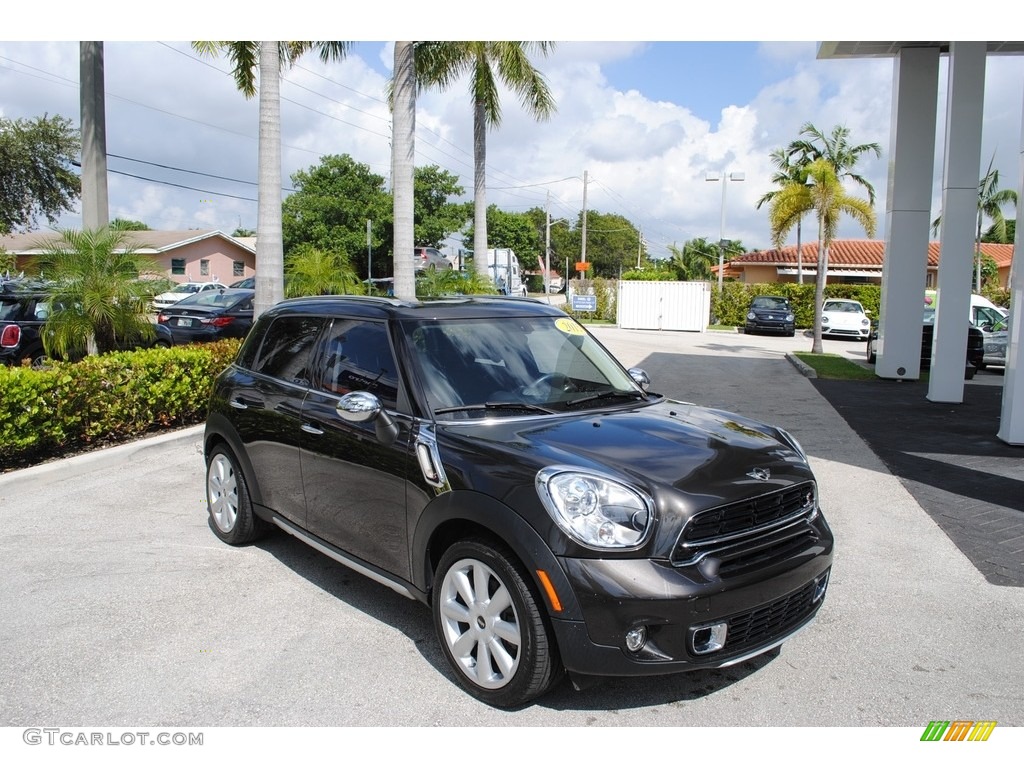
694 260
791 167
825 196
403 167
100 302
835 148
441 64
991 200
247 57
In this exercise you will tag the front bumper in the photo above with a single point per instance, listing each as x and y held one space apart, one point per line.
761 608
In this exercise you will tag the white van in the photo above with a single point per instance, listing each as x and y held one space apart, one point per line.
504 269
982 310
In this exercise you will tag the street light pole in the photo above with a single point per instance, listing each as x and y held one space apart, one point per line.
724 177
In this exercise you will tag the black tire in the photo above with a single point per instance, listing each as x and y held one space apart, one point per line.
228 502
162 344
503 669
871 354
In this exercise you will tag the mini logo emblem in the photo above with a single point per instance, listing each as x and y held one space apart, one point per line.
759 474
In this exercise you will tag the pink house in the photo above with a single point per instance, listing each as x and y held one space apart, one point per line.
183 256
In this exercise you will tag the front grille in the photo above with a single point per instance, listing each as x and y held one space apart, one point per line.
745 526
776 619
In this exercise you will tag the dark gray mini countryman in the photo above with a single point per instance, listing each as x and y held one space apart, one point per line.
488 457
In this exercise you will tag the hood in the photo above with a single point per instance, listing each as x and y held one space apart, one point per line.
681 454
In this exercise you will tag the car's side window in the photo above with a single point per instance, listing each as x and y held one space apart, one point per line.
286 348
357 357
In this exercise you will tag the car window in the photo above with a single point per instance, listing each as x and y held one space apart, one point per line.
842 306
357 357
769 302
11 309
286 348
539 361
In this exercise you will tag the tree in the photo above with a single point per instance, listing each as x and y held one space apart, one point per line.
243 232
331 205
790 164
825 196
129 225
991 200
246 58
441 64
101 301
309 271
36 157
835 148
612 241
403 168
512 230
436 216
695 259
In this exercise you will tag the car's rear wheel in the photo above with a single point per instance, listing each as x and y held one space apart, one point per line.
491 626
227 498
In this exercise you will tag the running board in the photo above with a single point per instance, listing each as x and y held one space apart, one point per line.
337 555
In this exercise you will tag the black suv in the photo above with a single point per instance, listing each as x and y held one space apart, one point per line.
24 307
488 457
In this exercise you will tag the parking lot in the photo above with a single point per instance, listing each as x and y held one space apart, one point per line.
121 607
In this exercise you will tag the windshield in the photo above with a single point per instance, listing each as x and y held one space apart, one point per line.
476 367
769 302
842 306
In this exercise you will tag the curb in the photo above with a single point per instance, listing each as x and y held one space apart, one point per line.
801 366
105 457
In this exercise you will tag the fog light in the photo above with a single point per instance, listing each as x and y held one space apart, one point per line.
636 638
709 639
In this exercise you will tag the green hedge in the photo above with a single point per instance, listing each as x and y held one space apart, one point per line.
730 307
69 407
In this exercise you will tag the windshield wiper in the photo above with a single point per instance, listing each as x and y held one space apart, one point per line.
500 406
606 394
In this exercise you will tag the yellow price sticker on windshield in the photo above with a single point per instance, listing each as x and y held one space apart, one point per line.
570 326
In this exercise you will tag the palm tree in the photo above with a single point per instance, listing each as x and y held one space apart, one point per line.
991 200
310 271
403 168
835 148
791 167
694 260
100 302
441 64
824 195
246 57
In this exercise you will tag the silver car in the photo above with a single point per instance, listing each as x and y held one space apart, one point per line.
995 341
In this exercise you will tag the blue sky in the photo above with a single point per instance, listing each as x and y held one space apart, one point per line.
645 120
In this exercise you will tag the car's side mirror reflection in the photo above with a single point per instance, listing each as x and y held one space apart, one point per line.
361 407
640 377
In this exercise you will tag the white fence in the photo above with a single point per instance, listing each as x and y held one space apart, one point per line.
663 305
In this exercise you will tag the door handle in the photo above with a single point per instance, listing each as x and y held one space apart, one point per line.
312 429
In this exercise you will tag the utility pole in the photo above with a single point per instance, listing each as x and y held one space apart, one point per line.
95 210
583 249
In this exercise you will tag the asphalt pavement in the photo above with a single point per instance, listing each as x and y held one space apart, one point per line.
121 607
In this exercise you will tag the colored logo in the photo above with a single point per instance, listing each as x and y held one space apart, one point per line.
958 730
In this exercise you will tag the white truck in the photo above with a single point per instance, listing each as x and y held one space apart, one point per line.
505 271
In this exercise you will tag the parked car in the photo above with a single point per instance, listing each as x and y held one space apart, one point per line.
489 458
24 308
975 344
770 314
164 300
994 335
246 282
207 316
845 318
430 258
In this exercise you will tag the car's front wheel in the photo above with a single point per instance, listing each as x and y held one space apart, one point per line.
227 498
491 626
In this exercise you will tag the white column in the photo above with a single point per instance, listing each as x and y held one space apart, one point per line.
908 211
965 97
1011 419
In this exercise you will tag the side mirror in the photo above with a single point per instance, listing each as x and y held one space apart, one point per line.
361 407
640 376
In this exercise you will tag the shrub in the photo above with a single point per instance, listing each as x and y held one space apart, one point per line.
104 399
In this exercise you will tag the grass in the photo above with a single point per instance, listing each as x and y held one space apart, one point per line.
836 367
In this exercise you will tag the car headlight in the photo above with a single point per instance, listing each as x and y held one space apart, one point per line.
824 319
865 321
790 318
751 316
594 509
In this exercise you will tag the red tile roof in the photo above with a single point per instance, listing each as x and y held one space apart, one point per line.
858 253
